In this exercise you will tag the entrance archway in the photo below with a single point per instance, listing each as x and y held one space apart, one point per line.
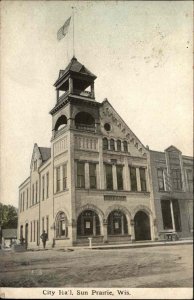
142 226
88 224
117 223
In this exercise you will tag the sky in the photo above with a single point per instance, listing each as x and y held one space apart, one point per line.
141 52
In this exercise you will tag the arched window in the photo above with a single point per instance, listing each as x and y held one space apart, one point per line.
105 144
118 145
61 122
61 225
117 223
85 121
125 146
88 224
112 145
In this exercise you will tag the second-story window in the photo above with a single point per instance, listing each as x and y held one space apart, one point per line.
125 146
36 192
190 180
176 179
27 199
92 172
33 194
47 185
112 145
119 177
64 177
43 186
105 144
80 174
109 177
160 173
118 145
23 200
133 179
142 172
58 179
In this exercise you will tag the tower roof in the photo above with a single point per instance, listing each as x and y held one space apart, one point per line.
74 67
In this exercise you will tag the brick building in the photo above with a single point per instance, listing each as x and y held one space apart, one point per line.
95 180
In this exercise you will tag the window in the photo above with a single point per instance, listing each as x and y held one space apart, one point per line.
21 232
109 177
105 144
30 231
107 127
47 226
112 145
34 231
118 145
160 173
167 214
58 178
176 180
27 199
43 184
42 224
36 191
33 194
142 179
23 200
133 178
64 177
125 146
92 172
119 177
80 174
61 226
47 185
189 180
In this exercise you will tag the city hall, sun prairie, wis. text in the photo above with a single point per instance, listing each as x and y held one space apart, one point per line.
97 180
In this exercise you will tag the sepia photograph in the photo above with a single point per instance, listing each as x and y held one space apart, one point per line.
96 179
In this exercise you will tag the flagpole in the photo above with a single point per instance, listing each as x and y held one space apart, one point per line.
73 32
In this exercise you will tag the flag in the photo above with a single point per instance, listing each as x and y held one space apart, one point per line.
63 30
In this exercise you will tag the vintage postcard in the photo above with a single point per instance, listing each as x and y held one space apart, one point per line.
96 150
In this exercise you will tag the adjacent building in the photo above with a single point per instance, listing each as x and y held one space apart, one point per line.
172 175
98 179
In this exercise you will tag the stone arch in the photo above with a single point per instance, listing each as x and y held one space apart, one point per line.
143 208
118 207
62 210
93 216
118 220
61 121
93 208
61 224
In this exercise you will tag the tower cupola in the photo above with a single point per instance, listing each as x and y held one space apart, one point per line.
75 80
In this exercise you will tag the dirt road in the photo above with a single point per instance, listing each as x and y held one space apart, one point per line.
162 266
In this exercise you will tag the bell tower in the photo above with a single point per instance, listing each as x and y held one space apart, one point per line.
75 89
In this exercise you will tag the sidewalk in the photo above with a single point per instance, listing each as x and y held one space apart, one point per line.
137 245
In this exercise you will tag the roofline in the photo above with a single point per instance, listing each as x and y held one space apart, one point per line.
24 181
106 100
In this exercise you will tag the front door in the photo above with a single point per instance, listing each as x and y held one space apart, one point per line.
142 226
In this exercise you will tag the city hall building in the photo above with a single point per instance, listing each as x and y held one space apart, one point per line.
97 179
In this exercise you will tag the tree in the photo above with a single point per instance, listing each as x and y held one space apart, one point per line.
8 217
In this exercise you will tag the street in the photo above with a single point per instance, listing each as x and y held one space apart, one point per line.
153 267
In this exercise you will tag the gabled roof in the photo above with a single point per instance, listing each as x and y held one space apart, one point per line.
45 153
172 148
9 233
77 67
